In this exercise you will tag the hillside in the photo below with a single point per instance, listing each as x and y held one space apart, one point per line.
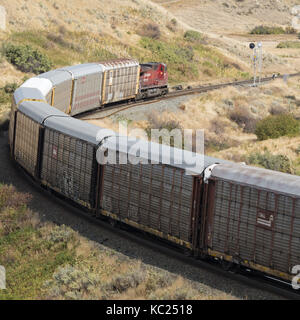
228 25
74 32
231 16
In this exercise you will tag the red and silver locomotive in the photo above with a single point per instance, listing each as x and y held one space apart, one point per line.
153 80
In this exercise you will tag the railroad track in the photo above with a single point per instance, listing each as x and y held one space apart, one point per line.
93 114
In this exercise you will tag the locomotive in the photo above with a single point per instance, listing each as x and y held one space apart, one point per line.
153 80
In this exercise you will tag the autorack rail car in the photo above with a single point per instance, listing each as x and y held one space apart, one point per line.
232 212
85 87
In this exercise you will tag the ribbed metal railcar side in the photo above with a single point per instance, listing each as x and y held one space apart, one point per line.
156 198
28 133
161 199
26 142
69 161
254 218
87 87
121 80
20 95
60 95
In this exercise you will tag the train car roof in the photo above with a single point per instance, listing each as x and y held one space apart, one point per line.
143 151
24 93
269 180
83 70
57 76
74 127
39 111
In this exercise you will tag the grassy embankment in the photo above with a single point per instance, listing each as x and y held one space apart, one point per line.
47 261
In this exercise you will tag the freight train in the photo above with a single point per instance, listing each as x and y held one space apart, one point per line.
84 87
237 214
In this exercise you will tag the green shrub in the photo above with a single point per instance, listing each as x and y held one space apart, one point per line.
193 36
289 45
277 126
268 30
27 59
10 87
269 161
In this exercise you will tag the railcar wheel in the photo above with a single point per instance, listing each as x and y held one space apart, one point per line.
226 265
187 252
113 223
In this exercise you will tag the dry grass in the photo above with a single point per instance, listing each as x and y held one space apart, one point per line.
47 261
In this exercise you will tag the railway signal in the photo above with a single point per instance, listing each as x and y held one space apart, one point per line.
257 57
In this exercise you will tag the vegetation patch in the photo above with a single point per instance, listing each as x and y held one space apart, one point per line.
269 161
193 36
26 253
186 56
45 261
272 30
150 30
186 60
26 58
243 117
289 45
165 128
277 126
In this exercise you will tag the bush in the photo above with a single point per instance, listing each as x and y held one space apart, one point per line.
71 282
268 30
277 110
277 126
193 36
172 25
27 59
150 30
123 282
156 123
289 45
244 119
290 30
10 87
217 143
272 162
